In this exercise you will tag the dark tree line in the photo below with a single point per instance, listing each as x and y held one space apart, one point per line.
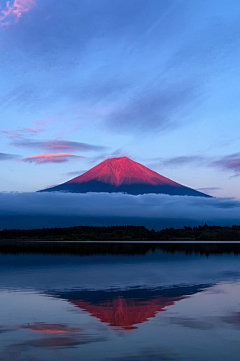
123 233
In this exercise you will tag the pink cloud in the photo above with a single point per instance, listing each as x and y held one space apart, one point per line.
50 158
20 132
13 11
229 163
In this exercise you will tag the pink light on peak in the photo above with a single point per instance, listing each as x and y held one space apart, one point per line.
13 11
120 170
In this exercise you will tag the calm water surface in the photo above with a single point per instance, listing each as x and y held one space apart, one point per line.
158 306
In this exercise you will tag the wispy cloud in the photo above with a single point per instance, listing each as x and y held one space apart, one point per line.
20 132
180 161
151 108
75 173
184 160
209 189
115 156
50 158
225 163
121 30
13 11
58 145
229 163
6 156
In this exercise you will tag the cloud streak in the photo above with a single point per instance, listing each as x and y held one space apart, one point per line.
151 108
209 189
6 156
75 173
58 145
184 160
13 11
229 163
50 158
19 133
130 80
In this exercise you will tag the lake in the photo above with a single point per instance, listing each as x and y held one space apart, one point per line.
155 306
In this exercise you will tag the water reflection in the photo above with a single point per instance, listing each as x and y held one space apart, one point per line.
127 308
174 307
49 328
58 342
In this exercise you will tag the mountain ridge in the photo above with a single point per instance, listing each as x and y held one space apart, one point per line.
121 174
122 170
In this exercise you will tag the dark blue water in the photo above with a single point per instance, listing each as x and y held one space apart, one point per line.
158 306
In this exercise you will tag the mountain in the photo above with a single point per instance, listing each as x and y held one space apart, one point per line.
123 313
122 174
126 309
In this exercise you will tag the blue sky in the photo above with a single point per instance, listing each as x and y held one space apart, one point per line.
155 80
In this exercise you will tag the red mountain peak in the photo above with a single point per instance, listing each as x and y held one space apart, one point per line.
121 174
125 313
122 171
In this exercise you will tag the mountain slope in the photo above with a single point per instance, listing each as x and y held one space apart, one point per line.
126 309
123 175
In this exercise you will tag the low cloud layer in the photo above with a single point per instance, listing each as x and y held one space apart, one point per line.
148 206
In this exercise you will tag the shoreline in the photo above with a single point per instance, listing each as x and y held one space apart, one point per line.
120 239
117 248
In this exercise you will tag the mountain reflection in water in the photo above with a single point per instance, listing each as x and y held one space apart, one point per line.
175 306
127 308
